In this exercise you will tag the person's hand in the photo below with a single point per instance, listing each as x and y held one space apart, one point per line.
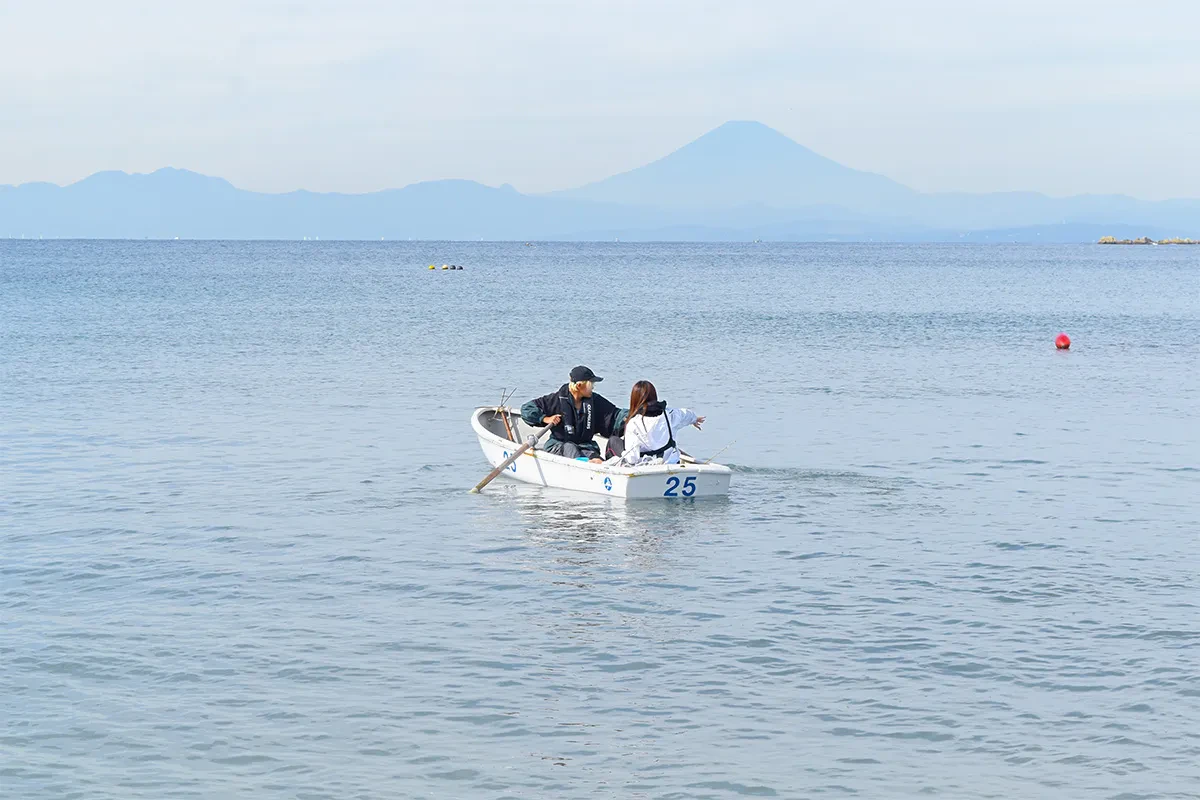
699 421
552 421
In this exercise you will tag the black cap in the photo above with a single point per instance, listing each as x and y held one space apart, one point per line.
584 374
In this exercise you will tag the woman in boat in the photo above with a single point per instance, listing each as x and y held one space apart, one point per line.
650 427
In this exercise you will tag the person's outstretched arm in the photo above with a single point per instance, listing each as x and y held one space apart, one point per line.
682 417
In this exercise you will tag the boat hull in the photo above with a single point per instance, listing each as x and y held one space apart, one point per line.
669 481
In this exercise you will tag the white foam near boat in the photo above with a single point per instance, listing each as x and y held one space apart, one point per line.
687 480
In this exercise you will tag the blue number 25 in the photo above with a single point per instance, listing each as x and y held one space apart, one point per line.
689 486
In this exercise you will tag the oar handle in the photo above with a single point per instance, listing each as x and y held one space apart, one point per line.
506 463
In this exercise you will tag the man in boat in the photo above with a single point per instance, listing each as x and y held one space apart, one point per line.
575 415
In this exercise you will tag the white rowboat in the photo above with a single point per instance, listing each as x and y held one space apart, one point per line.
686 480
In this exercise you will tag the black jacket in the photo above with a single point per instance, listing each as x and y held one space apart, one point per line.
595 416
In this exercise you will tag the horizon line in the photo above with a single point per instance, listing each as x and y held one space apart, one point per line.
506 185
530 242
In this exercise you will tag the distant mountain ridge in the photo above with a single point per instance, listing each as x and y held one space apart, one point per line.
172 202
739 181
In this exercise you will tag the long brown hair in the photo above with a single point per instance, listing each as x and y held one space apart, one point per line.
642 397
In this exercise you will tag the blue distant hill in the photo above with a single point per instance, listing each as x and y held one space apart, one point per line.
173 202
740 181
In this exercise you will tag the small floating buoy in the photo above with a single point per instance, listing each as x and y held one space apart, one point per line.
459 266
431 266
1063 342
445 266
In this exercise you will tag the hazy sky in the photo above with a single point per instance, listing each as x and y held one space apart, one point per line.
1055 96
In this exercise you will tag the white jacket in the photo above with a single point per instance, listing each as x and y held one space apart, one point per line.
650 433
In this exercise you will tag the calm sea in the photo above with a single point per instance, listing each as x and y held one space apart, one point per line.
238 559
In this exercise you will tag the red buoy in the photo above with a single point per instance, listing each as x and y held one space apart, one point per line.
1063 342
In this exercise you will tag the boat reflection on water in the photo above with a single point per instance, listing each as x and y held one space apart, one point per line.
600 564
583 524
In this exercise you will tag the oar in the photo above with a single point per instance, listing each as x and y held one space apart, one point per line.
507 427
722 450
502 412
529 443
